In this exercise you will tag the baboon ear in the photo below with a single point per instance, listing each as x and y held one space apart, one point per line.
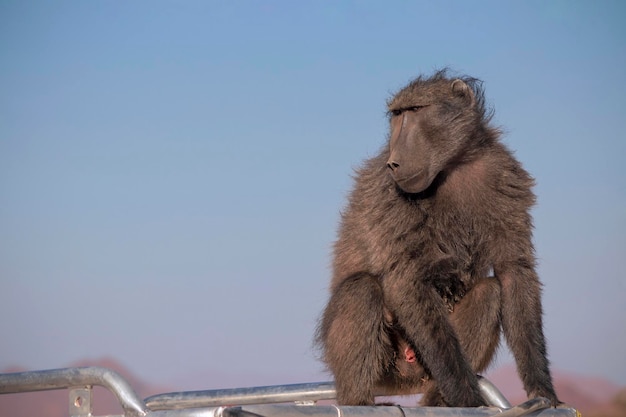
461 89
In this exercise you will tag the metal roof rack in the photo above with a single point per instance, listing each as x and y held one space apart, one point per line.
275 401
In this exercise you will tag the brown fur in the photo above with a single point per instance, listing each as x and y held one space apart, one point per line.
412 301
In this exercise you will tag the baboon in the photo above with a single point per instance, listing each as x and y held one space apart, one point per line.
434 257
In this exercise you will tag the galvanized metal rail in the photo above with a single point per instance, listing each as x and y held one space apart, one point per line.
257 401
297 393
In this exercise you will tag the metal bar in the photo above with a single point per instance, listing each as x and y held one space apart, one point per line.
248 401
491 394
356 411
280 394
243 396
287 410
74 377
273 410
527 407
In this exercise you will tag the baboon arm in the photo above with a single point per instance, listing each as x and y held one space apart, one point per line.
523 328
422 314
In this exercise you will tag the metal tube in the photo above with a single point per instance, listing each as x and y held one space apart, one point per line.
280 394
243 396
254 401
527 407
491 394
74 377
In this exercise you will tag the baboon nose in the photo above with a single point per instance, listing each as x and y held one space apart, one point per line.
392 165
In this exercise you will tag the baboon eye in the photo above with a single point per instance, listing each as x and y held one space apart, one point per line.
398 112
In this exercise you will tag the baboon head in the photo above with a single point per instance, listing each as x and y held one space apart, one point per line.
433 125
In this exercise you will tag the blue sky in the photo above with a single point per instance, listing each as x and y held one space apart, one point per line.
171 173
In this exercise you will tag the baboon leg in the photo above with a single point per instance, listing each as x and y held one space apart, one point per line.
432 396
476 320
355 337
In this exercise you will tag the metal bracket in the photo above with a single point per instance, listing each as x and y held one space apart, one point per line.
80 401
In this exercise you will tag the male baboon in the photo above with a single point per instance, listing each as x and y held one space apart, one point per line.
434 257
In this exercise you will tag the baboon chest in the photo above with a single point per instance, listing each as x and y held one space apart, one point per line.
443 248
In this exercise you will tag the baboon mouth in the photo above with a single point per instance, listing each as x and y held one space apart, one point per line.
414 183
411 177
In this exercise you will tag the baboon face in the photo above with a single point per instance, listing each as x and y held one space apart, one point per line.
425 122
